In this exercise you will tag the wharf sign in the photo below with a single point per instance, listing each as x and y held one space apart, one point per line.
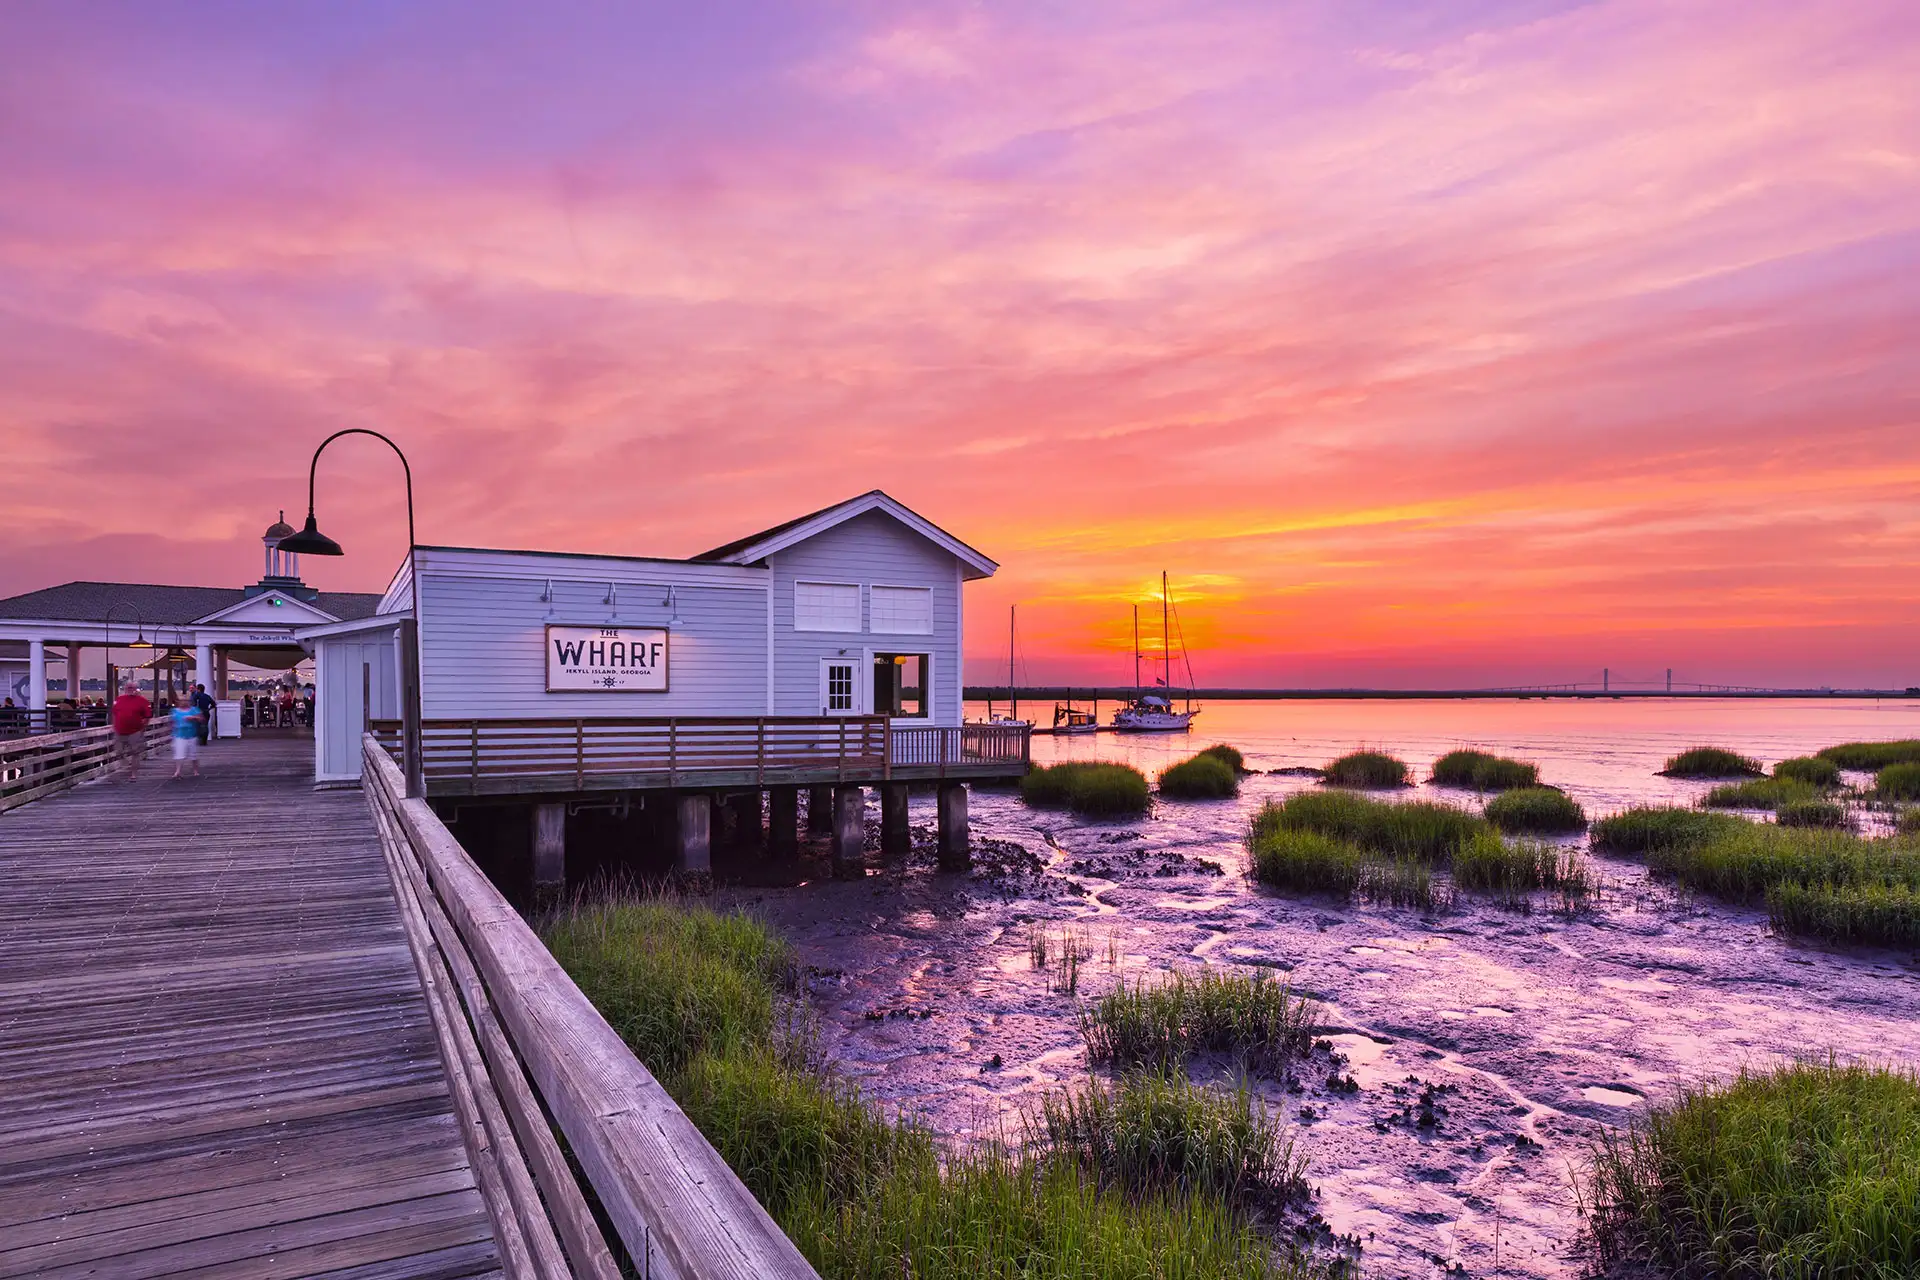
606 660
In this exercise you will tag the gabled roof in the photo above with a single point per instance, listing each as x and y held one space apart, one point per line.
757 547
157 605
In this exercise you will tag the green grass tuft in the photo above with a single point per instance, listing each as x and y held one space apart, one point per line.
1157 1129
1648 830
1741 864
1483 771
1871 756
1761 793
1417 829
1367 770
1399 882
1096 789
1306 862
1255 1018
1802 1171
1492 865
1898 781
1204 777
1871 914
1712 762
1812 813
1229 756
1814 770
1908 823
1536 810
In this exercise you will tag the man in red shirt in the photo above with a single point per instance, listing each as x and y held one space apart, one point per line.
130 715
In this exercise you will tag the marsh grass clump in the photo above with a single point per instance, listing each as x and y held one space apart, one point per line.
1483 771
1096 789
1416 829
1204 777
676 983
1742 865
1156 1128
1306 862
1537 811
1908 823
1900 781
1868 914
1815 771
1806 1170
1493 865
1254 1018
1651 829
1761 793
1870 757
1227 755
1812 813
1712 762
1367 770
1400 882
698 996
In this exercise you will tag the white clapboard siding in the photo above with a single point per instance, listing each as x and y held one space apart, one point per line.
341 687
868 549
483 636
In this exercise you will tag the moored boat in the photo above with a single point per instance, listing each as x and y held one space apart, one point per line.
1154 712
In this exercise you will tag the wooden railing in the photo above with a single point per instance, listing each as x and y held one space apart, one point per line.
669 749
963 747
34 767
508 755
522 1043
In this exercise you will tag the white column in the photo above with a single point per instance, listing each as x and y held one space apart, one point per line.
36 675
203 665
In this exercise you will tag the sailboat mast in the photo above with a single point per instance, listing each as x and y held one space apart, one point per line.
1166 641
1011 691
1136 653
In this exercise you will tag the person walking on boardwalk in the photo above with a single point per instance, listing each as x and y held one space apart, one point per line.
203 702
186 736
130 715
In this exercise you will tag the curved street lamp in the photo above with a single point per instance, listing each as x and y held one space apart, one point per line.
311 542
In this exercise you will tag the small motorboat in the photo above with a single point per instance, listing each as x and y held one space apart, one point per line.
1073 720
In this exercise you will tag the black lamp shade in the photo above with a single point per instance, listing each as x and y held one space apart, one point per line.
310 542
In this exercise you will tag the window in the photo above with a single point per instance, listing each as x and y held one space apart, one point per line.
826 606
900 684
839 677
906 611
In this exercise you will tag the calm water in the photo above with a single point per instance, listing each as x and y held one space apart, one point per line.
1605 754
1542 1027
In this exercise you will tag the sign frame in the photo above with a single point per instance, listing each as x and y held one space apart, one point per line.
666 656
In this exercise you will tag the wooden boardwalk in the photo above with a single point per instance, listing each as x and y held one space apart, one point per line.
216 1058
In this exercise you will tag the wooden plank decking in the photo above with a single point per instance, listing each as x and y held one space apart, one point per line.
215 1054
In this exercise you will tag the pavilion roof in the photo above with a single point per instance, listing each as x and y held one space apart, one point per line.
156 604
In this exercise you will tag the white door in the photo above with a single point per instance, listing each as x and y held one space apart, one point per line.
839 687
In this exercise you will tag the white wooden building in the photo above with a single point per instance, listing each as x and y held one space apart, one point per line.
852 611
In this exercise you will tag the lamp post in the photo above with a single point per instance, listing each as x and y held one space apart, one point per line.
310 541
139 641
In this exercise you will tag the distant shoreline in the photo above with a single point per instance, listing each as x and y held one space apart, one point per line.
1041 693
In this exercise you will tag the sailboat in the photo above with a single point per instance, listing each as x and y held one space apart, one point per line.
1153 712
1012 719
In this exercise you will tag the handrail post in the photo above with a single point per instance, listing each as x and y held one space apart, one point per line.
760 770
840 763
673 752
579 755
473 758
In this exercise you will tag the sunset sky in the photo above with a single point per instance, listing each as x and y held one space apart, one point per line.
1422 342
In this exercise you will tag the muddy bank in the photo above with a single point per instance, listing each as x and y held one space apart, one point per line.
1477 1049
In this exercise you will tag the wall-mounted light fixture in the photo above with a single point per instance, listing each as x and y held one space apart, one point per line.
673 606
612 602
546 597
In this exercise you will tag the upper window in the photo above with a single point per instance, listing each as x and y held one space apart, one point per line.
826 606
903 610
